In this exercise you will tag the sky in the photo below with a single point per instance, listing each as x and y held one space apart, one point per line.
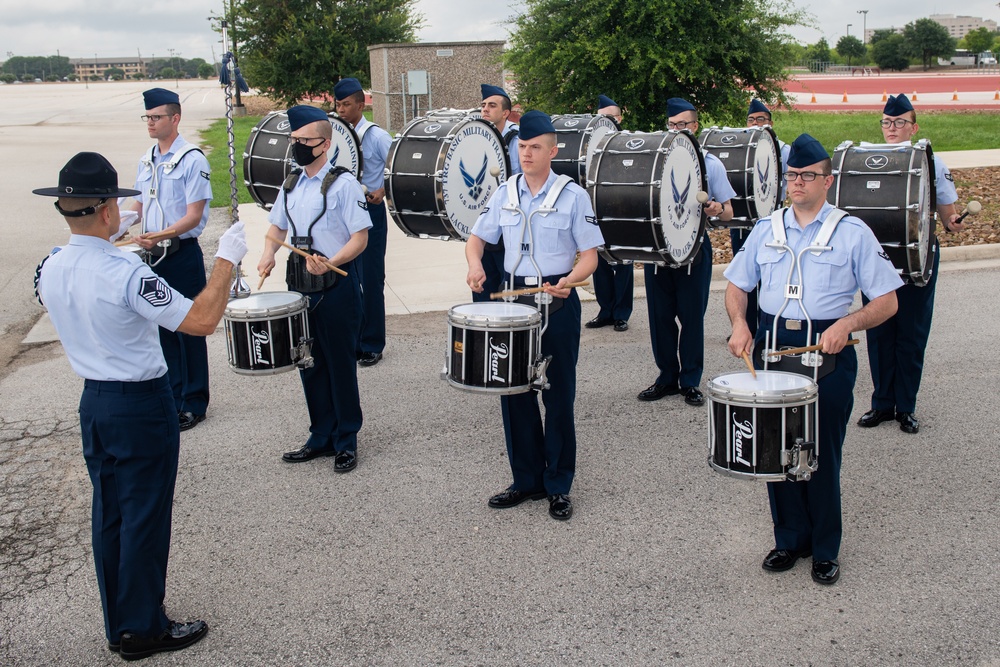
74 28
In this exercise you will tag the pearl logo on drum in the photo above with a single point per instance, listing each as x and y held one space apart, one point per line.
498 352
876 161
741 430
260 339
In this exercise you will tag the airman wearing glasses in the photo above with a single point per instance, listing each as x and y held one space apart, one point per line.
173 178
896 348
677 298
806 514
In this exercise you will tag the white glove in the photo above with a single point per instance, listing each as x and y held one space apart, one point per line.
233 244
128 219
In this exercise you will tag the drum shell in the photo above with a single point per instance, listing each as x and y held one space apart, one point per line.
494 350
753 166
575 133
749 430
261 340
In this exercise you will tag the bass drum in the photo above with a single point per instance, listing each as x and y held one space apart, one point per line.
577 135
892 188
268 159
644 188
753 165
440 172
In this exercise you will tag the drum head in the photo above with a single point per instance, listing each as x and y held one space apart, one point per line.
768 386
499 313
682 176
766 172
263 305
476 151
578 136
345 147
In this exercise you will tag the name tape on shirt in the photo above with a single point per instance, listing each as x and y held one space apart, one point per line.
155 291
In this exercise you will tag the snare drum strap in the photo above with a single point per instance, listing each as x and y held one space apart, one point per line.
548 204
833 218
297 277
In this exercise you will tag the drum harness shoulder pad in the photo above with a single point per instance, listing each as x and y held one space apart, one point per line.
297 277
167 246
822 240
510 136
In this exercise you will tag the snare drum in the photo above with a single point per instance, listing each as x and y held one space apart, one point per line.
644 189
492 347
891 187
268 159
753 165
267 332
577 135
439 175
753 423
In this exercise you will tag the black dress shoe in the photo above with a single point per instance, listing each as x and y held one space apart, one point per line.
174 638
875 417
621 325
114 648
345 462
599 322
369 358
189 420
692 396
305 454
779 560
907 422
511 497
655 392
826 572
560 507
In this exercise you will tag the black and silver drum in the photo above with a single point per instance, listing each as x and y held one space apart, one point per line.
763 428
267 333
449 112
753 165
891 187
644 188
493 347
577 135
268 159
440 172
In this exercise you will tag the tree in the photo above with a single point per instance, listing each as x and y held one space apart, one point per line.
168 73
642 52
303 47
114 73
888 50
817 55
205 71
850 47
7 77
979 40
927 39
38 67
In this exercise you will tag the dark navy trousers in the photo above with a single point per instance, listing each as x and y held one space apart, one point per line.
186 355
613 286
331 385
372 270
896 347
493 266
807 515
131 440
677 301
738 237
545 457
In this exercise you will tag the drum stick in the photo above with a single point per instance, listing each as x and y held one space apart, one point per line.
530 290
807 348
263 277
155 236
303 253
973 208
746 358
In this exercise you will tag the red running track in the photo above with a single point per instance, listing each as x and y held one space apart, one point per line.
894 83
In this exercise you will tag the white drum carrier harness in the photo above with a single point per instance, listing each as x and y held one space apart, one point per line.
167 246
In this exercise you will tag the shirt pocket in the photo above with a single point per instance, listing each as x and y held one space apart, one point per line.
831 270
510 231
302 211
773 274
554 232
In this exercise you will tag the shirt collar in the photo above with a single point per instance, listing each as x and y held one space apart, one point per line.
790 221
522 185
88 241
323 171
361 123
174 147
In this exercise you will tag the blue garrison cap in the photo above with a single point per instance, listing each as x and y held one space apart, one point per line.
490 91
806 151
301 115
605 101
897 105
756 106
535 123
676 105
346 87
157 97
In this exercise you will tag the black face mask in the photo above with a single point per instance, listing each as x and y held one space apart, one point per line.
304 154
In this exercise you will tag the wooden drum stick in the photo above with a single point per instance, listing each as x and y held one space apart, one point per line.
746 358
807 348
303 253
530 290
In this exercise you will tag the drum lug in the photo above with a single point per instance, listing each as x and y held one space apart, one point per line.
541 381
302 354
802 459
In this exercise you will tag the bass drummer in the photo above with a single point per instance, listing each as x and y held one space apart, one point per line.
677 298
613 285
896 347
496 108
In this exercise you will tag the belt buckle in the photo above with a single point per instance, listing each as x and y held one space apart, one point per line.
793 325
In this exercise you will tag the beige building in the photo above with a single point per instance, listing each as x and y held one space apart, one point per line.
87 67
957 26
409 79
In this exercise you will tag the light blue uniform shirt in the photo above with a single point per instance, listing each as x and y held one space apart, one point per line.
187 183
515 160
785 150
557 236
346 210
944 183
719 187
375 143
106 305
829 280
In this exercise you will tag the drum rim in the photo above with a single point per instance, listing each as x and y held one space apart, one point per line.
293 307
726 395
529 316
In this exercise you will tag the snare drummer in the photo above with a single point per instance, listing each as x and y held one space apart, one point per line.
496 108
896 348
542 459
677 298
613 285
806 515
375 143
331 224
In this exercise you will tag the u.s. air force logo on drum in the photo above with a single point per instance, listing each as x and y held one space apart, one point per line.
155 291
475 154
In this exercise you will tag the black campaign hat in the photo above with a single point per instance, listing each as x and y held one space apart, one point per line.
87 175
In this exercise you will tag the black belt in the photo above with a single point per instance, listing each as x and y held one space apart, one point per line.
120 387
819 326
